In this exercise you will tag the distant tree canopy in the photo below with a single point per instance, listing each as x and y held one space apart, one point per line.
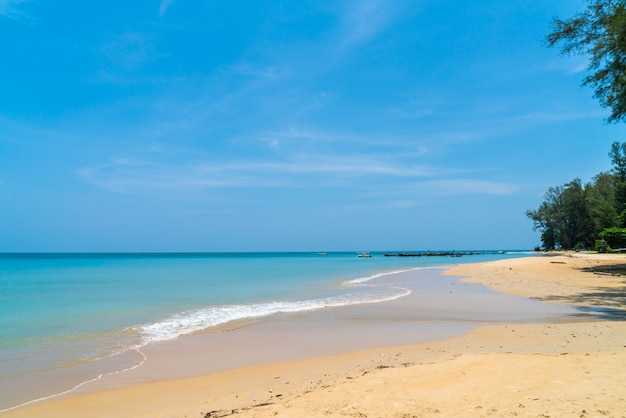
599 31
593 215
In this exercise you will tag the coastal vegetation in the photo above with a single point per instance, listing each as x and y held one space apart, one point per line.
592 215
586 216
599 32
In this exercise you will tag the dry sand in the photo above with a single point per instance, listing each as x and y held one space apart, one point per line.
576 368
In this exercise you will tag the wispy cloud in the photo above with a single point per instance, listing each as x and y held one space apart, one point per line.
10 9
543 117
129 50
352 171
165 4
579 69
148 177
423 192
570 65
304 170
123 57
471 186
362 21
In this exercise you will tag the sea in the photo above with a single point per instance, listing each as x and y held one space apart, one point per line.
71 319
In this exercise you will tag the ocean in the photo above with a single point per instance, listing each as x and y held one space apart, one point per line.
69 319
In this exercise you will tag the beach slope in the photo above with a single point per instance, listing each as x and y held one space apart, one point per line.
576 367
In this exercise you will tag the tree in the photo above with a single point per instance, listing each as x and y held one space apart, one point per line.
565 217
548 219
600 196
574 215
579 227
618 159
599 31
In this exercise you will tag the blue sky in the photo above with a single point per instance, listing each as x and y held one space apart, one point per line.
207 125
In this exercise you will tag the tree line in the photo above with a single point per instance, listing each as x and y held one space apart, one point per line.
586 216
592 215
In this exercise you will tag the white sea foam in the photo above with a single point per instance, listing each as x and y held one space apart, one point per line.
376 276
388 273
521 252
201 319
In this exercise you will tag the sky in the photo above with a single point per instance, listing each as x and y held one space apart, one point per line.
278 125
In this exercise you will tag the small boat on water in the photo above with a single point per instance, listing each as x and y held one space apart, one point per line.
364 255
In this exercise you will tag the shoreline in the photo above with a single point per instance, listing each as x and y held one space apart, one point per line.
74 336
434 308
298 378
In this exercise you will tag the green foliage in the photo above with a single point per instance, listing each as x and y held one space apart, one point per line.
577 215
602 202
618 159
564 217
600 32
614 237
602 246
593 215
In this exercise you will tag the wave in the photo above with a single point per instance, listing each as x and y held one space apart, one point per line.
388 273
201 319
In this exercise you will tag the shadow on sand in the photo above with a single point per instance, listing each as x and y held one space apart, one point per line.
601 302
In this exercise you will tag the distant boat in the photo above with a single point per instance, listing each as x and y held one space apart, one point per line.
364 255
322 253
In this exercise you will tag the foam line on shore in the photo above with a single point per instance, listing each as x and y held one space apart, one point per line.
192 321
390 273
95 379
201 319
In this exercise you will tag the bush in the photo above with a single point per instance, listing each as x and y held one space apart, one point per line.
614 237
601 246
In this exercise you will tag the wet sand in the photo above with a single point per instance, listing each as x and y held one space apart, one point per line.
400 358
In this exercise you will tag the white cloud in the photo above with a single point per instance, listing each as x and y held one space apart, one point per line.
578 69
543 117
147 177
421 192
295 160
10 9
122 58
129 51
304 170
165 4
570 64
469 186
363 21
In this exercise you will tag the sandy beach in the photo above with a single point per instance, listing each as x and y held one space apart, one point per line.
575 366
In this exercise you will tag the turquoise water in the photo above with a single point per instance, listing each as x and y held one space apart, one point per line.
72 317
